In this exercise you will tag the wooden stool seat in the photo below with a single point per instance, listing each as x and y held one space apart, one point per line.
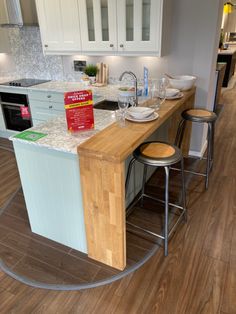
157 154
199 115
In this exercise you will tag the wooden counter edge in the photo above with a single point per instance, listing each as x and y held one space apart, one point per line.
90 148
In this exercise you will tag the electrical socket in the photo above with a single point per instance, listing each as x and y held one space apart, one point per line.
79 65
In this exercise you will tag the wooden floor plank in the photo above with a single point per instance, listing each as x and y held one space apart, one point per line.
68 264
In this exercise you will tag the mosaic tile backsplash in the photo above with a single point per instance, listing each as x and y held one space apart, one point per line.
27 56
28 61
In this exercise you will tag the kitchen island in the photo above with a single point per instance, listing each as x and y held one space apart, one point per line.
79 200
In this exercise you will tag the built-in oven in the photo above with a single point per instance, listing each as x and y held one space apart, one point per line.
16 111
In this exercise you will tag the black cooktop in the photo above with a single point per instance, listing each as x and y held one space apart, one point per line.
24 82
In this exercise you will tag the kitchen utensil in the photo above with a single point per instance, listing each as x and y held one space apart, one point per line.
169 76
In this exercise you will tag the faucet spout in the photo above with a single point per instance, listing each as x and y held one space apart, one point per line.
135 81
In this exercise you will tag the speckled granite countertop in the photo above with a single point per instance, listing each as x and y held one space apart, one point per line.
58 138
109 92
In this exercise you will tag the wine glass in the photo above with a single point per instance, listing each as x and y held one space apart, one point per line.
158 92
123 103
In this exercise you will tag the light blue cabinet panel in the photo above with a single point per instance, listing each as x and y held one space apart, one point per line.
51 186
46 96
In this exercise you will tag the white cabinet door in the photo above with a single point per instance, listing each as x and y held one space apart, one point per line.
59 25
139 25
98 25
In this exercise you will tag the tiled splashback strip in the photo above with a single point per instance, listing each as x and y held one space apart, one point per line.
27 60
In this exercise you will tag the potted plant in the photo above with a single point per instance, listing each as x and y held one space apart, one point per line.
91 70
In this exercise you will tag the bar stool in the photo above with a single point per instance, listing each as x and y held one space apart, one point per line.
159 154
201 116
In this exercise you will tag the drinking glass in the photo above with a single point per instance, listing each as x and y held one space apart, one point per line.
123 103
158 92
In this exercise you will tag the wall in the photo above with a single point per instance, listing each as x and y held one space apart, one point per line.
196 26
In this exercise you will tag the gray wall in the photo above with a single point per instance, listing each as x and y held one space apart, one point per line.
196 29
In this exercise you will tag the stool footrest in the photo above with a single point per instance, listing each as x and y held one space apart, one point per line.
156 234
189 171
163 202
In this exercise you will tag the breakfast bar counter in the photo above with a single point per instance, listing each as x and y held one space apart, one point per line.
102 173
74 184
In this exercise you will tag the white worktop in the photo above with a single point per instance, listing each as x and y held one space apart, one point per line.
58 138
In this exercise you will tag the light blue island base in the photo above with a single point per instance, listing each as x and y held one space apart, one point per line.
50 180
51 185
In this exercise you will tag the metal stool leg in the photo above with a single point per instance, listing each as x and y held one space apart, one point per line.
166 227
209 146
180 133
183 191
128 175
144 181
212 144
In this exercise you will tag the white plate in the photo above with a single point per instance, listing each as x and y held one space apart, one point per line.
179 95
154 116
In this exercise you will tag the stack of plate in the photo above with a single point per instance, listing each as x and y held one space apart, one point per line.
141 114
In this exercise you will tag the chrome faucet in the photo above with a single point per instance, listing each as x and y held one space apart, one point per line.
135 81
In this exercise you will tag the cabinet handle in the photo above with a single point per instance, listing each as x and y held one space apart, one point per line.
49 96
46 46
50 107
121 46
111 45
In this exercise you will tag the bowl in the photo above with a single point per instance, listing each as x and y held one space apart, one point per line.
140 112
170 92
182 82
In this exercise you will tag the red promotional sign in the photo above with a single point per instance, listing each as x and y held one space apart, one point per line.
79 110
24 111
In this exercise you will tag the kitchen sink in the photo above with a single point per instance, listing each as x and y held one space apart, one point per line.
107 105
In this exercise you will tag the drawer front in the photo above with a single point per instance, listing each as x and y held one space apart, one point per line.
36 105
46 96
45 115
46 110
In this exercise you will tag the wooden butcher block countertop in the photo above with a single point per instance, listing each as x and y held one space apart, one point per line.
115 144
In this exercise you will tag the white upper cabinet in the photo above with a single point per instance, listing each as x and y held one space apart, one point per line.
103 27
139 25
98 25
59 25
